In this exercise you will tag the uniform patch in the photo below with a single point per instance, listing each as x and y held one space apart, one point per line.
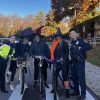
77 42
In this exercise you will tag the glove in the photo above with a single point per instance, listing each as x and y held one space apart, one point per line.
52 61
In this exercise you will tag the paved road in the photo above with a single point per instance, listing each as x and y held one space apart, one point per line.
93 77
33 94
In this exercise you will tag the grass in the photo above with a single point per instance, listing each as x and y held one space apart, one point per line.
94 56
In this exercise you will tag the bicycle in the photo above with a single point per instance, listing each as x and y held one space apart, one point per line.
21 64
41 58
22 70
54 79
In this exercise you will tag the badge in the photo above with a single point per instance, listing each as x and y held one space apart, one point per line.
77 42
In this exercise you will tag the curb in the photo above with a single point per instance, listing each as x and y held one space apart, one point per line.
93 94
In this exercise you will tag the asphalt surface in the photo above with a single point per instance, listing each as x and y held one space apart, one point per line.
33 94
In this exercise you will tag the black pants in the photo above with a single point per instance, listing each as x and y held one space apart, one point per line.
78 77
65 70
36 69
13 67
3 66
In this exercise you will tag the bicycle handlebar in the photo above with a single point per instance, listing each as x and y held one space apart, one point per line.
18 59
42 58
45 58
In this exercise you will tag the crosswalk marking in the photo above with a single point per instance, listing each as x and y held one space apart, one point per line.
16 93
49 96
89 96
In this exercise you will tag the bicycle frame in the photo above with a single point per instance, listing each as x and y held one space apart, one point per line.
8 66
21 70
54 82
40 71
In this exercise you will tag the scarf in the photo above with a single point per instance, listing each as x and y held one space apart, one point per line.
53 47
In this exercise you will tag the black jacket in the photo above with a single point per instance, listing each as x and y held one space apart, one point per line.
21 50
62 50
79 54
40 49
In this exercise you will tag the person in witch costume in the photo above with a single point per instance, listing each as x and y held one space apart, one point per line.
39 47
60 51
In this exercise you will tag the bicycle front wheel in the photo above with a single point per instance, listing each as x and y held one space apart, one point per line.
22 80
41 81
55 87
54 83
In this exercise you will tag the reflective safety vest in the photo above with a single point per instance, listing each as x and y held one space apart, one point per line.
6 51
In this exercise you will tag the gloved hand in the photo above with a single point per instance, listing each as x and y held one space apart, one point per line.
52 61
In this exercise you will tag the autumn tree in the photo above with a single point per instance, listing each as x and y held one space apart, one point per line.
10 25
63 8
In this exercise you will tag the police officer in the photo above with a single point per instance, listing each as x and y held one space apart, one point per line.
78 55
39 48
13 64
60 51
5 52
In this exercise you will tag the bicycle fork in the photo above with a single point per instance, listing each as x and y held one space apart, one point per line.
55 83
40 76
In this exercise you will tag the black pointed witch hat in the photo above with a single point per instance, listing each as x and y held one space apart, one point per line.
58 33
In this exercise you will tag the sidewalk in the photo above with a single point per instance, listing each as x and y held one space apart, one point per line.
93 77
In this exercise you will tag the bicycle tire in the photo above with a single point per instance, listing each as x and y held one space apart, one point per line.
23 80
55 86
41 81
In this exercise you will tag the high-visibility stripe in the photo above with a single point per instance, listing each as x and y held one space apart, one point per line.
16 93
4 50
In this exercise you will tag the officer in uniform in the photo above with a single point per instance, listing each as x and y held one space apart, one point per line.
78 55
5 52
13 64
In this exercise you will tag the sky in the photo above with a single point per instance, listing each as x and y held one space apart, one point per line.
24 7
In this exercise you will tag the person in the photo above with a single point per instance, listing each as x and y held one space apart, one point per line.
5 52
22 49
13 65
78 55
60 51
39 48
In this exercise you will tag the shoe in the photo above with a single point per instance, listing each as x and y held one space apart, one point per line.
7 78
12 86
4 91
81 98
67 93
46 85
35 85
52 91
74 94
9 73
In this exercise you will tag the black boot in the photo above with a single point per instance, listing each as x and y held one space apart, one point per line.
35 85
67 93
4 91
81 98
75 94
45 83
52 91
